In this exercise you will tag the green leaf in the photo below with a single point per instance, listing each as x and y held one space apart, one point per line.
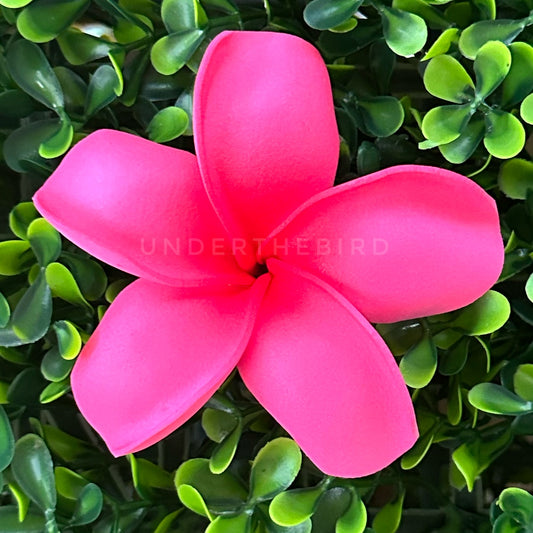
505 135
454 359
103 89
444 124
418 365
523 381
9 518
324 14
32 72
26 387
31 317
15 257
516 178
80 48
446 78
526 109
382 115
59 142
225 451
414 456
64 285
168 124
505 524
88 506
67 447
479 33
466 458
44 20
5 311
529 288
45 241
182 15
219 491
496 399
491 66
275 467
519 81
462 148
89 275
14 3
240 523
486 315
218 424
7 441
68 339
487 8
404 32
517 504
443 43
147 476
54 390
54 367
33 470
430 14
171 52
192 499
354 519
388 518
293 507
20 217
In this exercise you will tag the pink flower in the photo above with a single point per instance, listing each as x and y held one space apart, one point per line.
249 258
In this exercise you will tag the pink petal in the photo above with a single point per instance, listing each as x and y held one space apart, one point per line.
405 242
157 356
140 207
327 377
265 130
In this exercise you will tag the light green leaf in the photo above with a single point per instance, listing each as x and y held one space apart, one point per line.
240 523
32 72
523 381
182 15
274 468
526 109
516 178
225 451
68 339
64 285
9 518
59 142
54 367
324 14
479 33
418 365
446 78
293 507
443 43
218 424
192 499
167 124
20 217
496 399
505 135
444 124
14 4
45 241
529 288
171 52
33 470
404 32
5 311
54 390
15 257
354 519
388 518
491 66
517 504
44 20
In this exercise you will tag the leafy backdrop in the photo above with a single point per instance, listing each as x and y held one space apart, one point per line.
441 82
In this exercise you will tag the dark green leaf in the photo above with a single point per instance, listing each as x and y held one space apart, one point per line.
33 470
182 15
79 48
54 367
324 14
9 520
382 115
462 148
88 506
20 217
5 311
7 441
45 241
103 89
496 399
31 70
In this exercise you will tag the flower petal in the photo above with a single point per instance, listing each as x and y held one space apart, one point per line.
265 130
327 377
140 207
405 242
157 356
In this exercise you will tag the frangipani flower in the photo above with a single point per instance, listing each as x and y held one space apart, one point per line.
248 257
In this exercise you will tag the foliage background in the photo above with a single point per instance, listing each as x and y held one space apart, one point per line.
439 82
